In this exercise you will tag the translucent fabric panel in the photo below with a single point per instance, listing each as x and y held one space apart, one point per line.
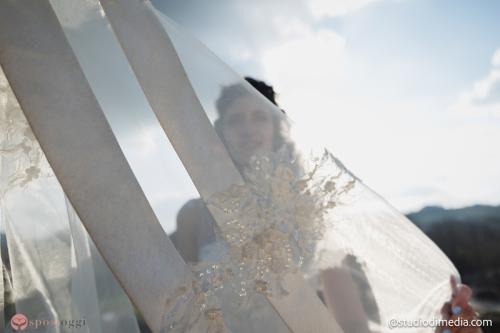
157 167
271 208
51 268
146 147
88 162
367 262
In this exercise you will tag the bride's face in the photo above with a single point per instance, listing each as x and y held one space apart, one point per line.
248 129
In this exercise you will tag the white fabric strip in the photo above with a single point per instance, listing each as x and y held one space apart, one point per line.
171 96
84 154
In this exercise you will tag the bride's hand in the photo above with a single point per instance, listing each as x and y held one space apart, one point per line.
459 308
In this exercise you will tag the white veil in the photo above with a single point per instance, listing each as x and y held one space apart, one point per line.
300 244
52 263
398 271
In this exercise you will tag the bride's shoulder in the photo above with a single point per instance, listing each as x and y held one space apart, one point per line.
192 210
187 224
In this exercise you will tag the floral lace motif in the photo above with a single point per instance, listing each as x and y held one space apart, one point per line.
21 157
272 226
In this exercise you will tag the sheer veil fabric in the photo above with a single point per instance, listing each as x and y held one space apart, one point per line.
300 244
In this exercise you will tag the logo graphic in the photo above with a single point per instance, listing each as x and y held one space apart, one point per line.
19 322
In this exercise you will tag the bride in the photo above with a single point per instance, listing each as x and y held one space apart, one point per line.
249 131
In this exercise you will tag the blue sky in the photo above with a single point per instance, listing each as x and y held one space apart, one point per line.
451 42
405 92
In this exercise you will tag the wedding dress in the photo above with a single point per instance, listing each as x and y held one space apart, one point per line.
91 92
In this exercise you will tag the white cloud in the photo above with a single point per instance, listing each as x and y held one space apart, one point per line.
309 55
394 145
394 141
321 8
484 96
308 69
307 59
495 61
483 88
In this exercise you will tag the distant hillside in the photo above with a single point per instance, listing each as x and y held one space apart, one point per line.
436 214
470 237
